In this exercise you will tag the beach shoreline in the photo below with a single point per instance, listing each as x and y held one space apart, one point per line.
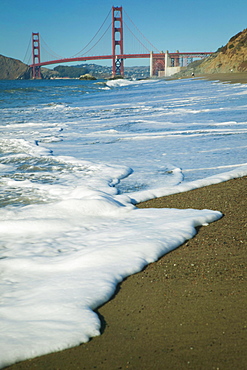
185 311
226 77
231 77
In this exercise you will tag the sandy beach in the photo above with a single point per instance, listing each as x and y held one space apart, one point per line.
222 77
227 77
185 311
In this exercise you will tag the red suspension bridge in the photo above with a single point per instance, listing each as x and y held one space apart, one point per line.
161 64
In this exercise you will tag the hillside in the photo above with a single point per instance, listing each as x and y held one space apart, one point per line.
12 69
99 71
229 58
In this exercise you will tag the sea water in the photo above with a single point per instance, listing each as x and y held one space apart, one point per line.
75 158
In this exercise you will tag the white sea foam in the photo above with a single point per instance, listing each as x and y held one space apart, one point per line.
73 165
82 247
122 82
143 196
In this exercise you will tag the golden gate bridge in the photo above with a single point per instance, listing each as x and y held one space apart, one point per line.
161 64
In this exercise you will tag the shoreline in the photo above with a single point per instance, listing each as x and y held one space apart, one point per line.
226 77
185 311
230 77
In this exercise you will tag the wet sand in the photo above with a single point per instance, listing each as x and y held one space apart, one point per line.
221 77
227 77
224 77
185 311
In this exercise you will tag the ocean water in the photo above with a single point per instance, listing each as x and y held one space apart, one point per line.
75 158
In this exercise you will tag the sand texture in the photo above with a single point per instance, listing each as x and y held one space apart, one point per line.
231 77
227 77
185 311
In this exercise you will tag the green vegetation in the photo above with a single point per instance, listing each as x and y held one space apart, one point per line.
72 72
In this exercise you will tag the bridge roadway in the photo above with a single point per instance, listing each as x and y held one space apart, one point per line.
122 56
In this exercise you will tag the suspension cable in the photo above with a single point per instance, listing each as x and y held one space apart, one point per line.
136 37
49 50
97 41
154 48
94 37
28 48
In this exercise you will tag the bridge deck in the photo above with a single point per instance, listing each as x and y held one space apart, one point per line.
123 56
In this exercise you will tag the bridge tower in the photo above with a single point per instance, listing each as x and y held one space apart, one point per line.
36 55
117 42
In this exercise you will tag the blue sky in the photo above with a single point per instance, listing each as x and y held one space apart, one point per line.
67 26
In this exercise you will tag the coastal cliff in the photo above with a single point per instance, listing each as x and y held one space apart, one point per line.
13 69
229 58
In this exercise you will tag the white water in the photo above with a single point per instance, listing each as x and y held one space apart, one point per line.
74 160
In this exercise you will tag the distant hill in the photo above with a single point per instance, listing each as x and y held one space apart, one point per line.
99 71
229 58
13 69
